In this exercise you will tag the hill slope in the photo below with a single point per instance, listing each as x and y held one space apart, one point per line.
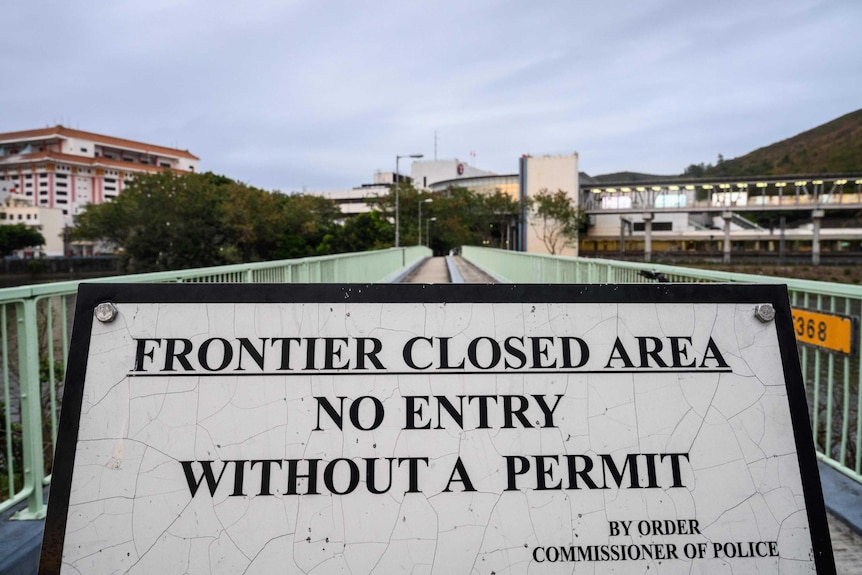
626 177
833 147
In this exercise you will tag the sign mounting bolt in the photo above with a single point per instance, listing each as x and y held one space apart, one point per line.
764 312
106 312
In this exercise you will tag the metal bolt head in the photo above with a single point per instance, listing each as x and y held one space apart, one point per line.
106 312
764 312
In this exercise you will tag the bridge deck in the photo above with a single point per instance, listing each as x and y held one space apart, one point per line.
436 271
20 540
843 496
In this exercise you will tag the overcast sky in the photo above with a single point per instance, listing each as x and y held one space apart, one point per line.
319 94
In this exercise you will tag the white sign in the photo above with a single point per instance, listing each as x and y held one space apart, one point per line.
389 429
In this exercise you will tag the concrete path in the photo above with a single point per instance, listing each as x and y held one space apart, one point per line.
846 547
433 271
436 271
472 274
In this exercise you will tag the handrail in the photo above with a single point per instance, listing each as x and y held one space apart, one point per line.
35 322
832 379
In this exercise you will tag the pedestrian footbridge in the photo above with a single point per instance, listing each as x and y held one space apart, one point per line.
35 323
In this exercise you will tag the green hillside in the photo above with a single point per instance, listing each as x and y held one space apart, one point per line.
627 177
834 147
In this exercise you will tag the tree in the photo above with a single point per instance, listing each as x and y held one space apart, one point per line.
18 236
306 220
695 170
408 212
502 212
165 222
463 216
362 232
556 220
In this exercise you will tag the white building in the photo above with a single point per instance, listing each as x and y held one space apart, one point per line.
17 209
427 173
537 173
356 200
62 168
549 173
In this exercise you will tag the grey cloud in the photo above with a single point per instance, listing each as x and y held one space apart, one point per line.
291 94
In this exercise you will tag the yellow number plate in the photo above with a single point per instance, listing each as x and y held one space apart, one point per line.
823 330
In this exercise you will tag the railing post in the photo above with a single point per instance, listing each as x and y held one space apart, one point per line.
31 409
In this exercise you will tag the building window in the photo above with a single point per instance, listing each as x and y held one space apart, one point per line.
28 177
84 150
164 164
656 226
61 176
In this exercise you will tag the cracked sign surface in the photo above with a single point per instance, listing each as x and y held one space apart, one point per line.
360 435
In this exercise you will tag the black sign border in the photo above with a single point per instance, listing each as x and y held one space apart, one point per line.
90 295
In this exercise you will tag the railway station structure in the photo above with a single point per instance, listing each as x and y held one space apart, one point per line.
808 215
725 215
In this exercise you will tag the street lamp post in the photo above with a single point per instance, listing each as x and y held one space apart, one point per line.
397 178
419 235
428 230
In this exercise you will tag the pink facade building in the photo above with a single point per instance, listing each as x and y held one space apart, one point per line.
59 167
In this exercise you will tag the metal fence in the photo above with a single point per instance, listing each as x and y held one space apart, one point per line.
832 378
35 323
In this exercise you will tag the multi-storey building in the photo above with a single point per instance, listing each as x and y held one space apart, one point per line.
59 167
47 221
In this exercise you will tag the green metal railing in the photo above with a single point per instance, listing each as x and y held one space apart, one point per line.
832 380
35 323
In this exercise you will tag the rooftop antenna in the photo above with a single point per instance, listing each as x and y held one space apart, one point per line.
435 145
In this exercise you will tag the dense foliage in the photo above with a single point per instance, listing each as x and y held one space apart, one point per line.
457 217
166 221
18 236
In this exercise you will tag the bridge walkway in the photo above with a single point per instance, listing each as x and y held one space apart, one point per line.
843 496
449 269
19 540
